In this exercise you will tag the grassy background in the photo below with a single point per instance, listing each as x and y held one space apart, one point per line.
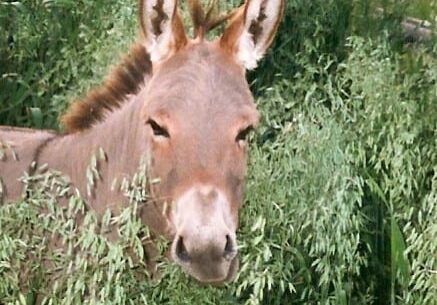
342 190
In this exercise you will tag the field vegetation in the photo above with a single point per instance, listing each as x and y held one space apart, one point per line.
341 204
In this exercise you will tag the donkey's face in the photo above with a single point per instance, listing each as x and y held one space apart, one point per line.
198 111
198 121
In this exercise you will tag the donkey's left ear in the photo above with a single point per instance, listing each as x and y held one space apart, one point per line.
162 28
252 30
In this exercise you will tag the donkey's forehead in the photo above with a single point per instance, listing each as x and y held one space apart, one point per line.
203 52
200 80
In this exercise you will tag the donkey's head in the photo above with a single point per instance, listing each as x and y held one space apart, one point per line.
198 111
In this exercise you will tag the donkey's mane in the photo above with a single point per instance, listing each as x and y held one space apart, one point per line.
126 78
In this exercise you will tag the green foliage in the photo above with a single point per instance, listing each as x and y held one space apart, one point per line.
397 157
70 252
342 188
48 48
322 26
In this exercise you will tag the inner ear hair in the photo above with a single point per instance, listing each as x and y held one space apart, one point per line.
256 24
262 18
159 17
155 14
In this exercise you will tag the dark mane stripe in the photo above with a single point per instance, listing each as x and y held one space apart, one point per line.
126 78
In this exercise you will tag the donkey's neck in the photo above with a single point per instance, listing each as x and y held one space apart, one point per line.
122 140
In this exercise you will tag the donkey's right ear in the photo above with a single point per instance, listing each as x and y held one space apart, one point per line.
162 28
252 29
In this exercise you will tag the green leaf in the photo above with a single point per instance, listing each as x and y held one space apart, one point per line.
399 261
341 296
37 117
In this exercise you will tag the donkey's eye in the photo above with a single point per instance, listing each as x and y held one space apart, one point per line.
242 135
158 130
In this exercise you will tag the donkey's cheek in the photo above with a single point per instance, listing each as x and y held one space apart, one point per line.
170 182
161 157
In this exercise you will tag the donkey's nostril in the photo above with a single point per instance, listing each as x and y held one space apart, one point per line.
181 251
229 252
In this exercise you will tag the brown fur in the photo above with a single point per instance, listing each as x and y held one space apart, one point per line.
206 21
230 37
24 146
197 16
125 79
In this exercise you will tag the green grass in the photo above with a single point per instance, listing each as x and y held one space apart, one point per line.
340 205
51 49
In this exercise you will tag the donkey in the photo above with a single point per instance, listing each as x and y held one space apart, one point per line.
186 104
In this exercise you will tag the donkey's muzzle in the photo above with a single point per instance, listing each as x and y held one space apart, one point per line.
205 243
226 253
208 258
